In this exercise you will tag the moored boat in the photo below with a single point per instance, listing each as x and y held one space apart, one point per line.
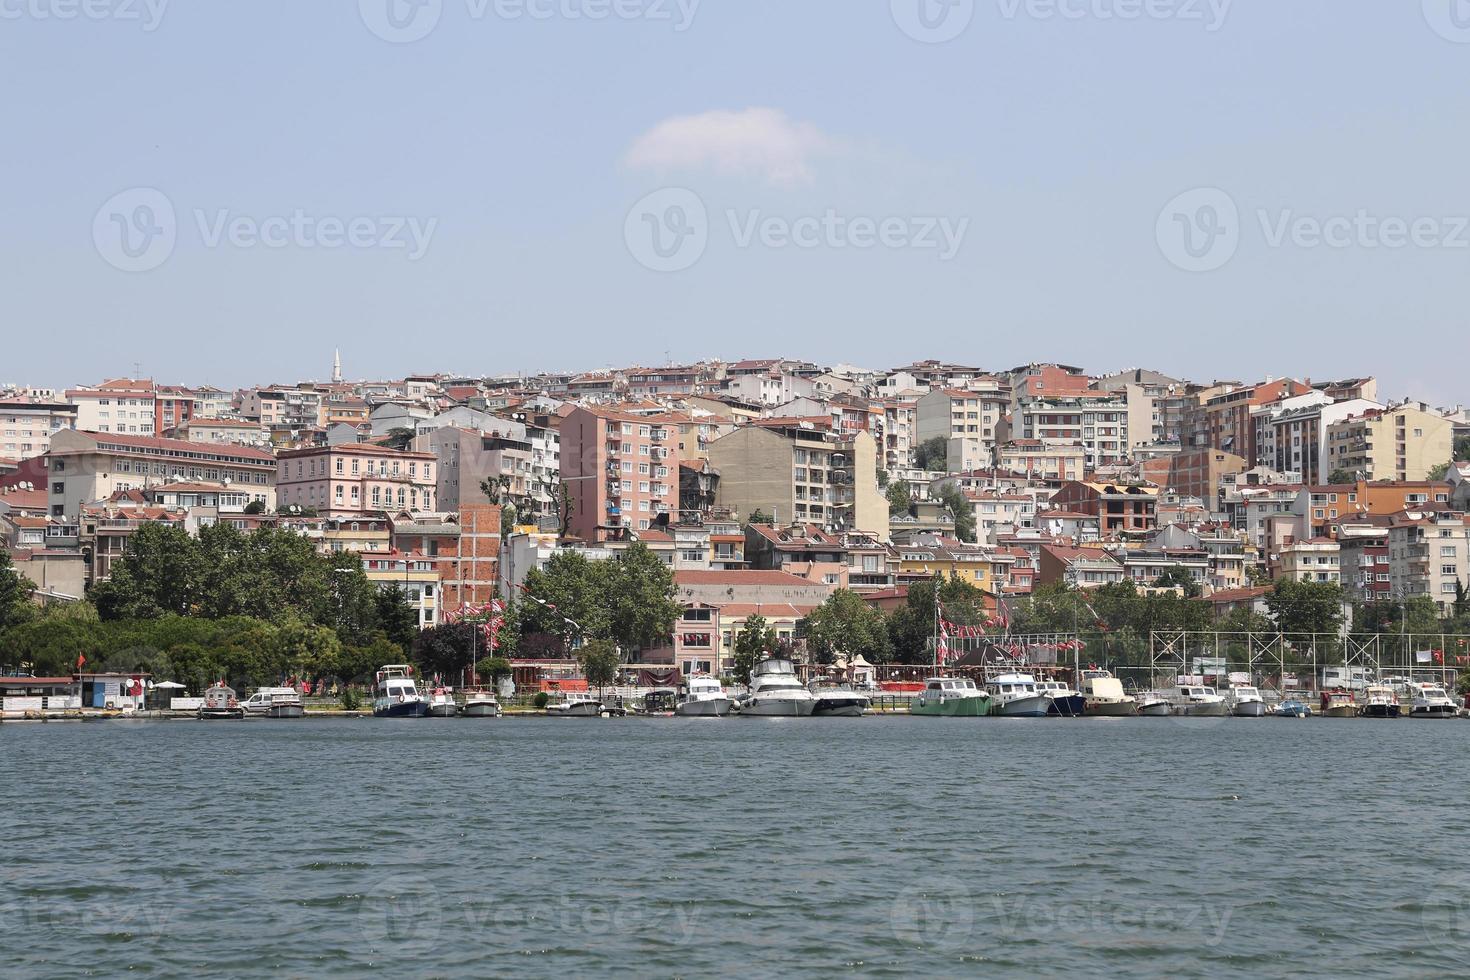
1102 694
775 692
480 703
220 703
1379 701
1246 702
951 697
275 702
1065 702
706 699
395 695
1196 701
577 704
836 700
1431 701
1293 708
1339 703
441 703
1152 704
1015 696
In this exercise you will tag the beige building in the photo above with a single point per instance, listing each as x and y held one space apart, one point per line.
1038 459
356 479
221 431
26 425
1402 443
1428 552
1310 560
798 473
968 421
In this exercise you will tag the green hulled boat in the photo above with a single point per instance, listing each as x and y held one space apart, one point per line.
951 697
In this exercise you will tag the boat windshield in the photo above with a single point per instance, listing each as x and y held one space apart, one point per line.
781 686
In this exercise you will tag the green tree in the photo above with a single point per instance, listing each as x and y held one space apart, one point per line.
899 498
398 438
1439 472
162 572
448 649
932 455
847 625
15 593
911 626
759 516
752 643
493 669
600 663
1462 450
959 506
1178 578
1300 608
1341 477
570 587
395 616
639 598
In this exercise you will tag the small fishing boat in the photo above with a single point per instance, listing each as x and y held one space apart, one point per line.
1015 696
1153 704
395 695
1339 704
1196 701
1065 702
1431 701
1246 702
1102 694
220 703
951 697
1380 702
706 699
480 703
441 703
1293 708
836 700
576 704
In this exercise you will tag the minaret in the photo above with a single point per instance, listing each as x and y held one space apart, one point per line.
337 366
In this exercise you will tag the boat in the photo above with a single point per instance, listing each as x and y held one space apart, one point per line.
1152 704
576 704
951 697
1016 696
1197 701
1339 703
220 703
1246 702
775 692
441 703
706 699
1102 695
1293 708
275 702
1379 701
1431 701
395 695
1065 702
836 700
480 703
660 702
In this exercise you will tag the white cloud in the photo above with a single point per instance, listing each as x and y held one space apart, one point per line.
757 143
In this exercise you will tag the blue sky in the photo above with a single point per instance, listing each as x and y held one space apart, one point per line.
518 145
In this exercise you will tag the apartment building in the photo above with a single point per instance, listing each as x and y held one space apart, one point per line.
1121 509
1295 438
770 388
1363 544
1039 460
85 467
972 418
356 480
1308 560
1097 421
1156 404
221 431
27 424
1080 568
417 576
285 408
123 405
1429 555
1399 443
1220 417
799 473
900 432
1194 473
1320 505
621 470
469 457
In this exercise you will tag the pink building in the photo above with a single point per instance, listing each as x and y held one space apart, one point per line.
356 479
621 469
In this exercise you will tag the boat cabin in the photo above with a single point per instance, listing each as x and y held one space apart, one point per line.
949 685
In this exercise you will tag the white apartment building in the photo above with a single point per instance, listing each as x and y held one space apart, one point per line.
26 425
1428 553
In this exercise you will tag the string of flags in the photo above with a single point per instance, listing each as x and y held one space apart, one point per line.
489 616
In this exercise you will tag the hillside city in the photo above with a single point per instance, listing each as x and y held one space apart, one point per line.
765 487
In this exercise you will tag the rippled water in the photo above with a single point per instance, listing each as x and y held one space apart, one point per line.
754 847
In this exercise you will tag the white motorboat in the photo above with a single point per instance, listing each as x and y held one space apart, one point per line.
1200 702
836 700
1431 701
1016 696
1246 702
274 702
706 699
1152 704
776 692
480 703
395 695
1379 701
1102 694
576 704
220 702
441 703
1064 701
951 697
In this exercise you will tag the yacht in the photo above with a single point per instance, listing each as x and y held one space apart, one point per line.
220 703
480 703
395 695
275 702
1379 702
1152 704
951 697
1064 701
1431 701
836 700
577 704
775 692
1016 696
1246 702
1102 694
1200 702
706 699
1339 704
441 703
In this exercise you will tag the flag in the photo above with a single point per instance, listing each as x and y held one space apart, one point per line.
81 661
1003 614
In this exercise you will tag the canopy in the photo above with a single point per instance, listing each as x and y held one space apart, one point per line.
860 661
171 685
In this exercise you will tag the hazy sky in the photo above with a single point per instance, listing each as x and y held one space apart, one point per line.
455 185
